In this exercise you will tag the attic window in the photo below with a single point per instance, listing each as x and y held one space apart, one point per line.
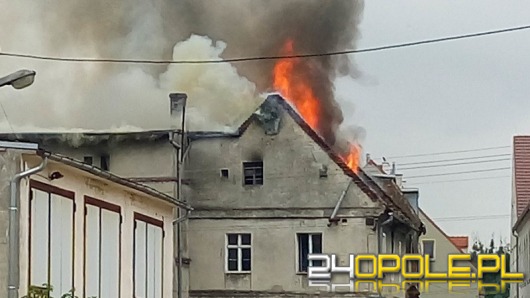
105 160
88 160
253 173
224 173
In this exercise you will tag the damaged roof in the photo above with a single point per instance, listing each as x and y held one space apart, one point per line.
267 115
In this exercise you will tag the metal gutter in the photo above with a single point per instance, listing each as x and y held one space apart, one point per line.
114 178
13 259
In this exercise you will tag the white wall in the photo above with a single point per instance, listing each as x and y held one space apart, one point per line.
130 201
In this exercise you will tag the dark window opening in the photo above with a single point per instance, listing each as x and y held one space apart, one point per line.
224 173
308 244
253 173
88 160
428 248
370 221
323 171
105 162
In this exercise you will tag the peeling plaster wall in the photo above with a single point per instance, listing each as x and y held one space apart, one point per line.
9 166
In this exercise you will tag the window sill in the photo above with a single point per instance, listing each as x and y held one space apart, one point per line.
301 273
237 272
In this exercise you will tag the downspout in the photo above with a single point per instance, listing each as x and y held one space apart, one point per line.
180 156
14 227
333 216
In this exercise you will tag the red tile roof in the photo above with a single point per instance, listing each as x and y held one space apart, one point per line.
521 158
462 242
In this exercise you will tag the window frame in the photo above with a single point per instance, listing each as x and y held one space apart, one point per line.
251 165
102 205
310 241
63 193
154 222
239 246
433 257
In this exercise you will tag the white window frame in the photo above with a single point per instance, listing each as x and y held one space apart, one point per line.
433 257
239 246
310 248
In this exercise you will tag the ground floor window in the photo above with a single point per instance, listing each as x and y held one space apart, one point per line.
148 256
51 239
102 248
308 244
238 252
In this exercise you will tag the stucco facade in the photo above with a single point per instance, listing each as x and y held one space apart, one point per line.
443 247
83 211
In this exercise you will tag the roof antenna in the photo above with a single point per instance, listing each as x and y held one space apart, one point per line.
393 172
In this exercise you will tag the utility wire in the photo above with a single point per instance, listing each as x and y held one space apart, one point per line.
457 173
243 59
7 119
459 180
472 217
451 159
456 164
450 152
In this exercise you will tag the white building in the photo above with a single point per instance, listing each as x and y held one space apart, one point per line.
75 227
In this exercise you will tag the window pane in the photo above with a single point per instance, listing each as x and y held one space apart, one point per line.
232 254
140 255
245 239
303 249
154 261
92 260
232 239
317 244
232 265
39 238
61 238
245 265
246 253
110 253
428 248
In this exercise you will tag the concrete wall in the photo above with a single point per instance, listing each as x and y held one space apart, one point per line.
443 247
9 166
129 200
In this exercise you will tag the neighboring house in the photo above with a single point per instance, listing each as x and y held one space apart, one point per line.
520 190
75 226
462 242
521 229
264 197
438 245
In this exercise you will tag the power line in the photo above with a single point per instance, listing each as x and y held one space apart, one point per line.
456 164
472 217
451 159
457 173
244 59
7 118
450 152
460 180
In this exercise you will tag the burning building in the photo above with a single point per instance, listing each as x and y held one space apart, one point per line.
264 196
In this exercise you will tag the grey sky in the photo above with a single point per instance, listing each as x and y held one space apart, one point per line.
444 97
441 97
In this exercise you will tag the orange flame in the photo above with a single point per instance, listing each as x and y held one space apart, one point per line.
299 92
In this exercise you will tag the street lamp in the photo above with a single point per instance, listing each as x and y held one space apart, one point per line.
19 80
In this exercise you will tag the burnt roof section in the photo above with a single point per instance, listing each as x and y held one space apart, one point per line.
75 139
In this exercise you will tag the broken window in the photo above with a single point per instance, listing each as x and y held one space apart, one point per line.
88 160
428 248
253 173
105 162
308 244
238 252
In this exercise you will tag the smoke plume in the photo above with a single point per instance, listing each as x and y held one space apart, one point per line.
102 95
